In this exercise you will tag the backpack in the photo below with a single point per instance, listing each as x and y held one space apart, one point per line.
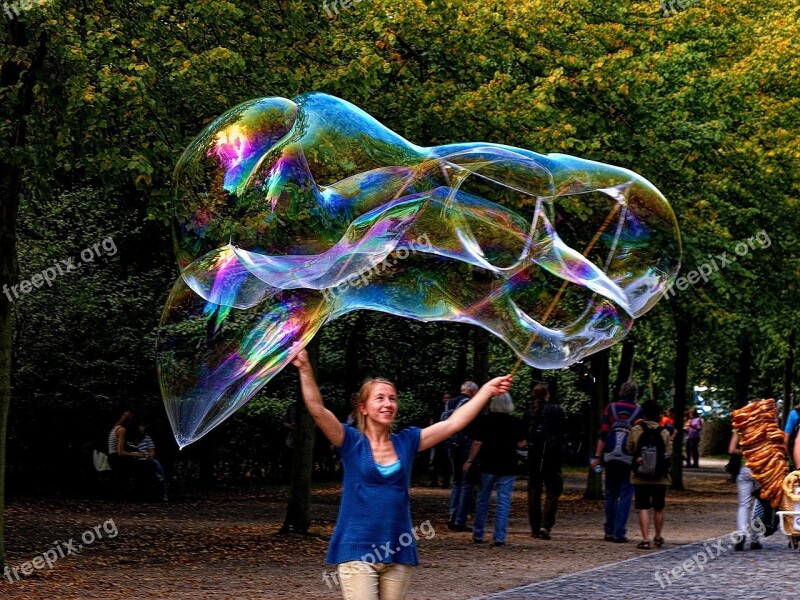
616 446
461 438
544 433
651 449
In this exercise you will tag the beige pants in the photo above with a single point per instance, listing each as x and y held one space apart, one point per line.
380 581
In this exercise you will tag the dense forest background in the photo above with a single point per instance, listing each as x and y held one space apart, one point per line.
100 97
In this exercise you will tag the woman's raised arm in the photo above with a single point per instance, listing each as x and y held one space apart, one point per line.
324 418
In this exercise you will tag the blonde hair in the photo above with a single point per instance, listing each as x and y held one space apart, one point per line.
501 403
363 396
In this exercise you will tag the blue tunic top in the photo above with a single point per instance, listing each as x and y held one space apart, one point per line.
374 523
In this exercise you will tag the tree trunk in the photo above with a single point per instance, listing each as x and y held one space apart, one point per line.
684 332
743 372
10 188
7 270
600 372
480 355
298 509
788 376
651 382
625 369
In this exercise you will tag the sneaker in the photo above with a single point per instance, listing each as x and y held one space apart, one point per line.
462 528
608 538
622 540
544 534
499 543
755 546
476 541
739 546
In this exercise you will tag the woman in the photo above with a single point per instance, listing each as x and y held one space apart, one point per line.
496 437
121 454
373 542
693 432
649 490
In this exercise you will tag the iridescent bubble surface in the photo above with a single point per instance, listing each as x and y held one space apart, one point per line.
291 213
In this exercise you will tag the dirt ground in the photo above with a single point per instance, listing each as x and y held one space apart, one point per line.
226 545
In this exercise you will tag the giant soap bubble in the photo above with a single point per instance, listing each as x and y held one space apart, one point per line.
291 213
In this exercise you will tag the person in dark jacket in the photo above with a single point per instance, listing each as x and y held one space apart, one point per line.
545 435
495 440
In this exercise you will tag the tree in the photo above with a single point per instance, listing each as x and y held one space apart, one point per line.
17 78
599 362
298 515
684 328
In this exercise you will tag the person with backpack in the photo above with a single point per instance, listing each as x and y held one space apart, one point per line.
693 440
458 447
612 450
546 426
648 442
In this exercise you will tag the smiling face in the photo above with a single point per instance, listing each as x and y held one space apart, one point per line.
378 403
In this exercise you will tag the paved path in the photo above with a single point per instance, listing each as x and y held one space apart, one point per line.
703 570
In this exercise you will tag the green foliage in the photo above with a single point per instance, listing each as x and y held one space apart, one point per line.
703 102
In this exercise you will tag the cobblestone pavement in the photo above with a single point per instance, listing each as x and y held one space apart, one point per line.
707 570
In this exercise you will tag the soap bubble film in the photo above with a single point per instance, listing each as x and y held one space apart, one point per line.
291 213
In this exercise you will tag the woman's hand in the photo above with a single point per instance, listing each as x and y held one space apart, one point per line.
463 415
301 360
498 385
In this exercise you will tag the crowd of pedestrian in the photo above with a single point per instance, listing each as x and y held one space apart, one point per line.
633 449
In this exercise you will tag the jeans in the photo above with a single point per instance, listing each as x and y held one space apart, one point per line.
549 478
161 475
505 486
745 484
374 581
619 491
693 452
460 490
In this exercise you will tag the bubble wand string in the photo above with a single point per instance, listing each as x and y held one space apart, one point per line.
563 287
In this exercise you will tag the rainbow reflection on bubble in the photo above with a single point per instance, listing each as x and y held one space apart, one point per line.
291 213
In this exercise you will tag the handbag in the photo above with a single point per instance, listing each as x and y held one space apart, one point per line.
734 465
100 461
